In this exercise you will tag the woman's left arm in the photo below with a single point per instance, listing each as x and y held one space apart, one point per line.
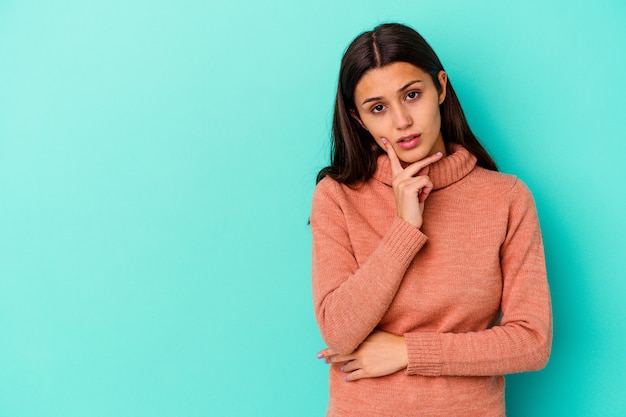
520 342
522 339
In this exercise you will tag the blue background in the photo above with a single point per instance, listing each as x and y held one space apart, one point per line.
157 161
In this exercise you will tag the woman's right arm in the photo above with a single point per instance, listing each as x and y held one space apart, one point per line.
349 299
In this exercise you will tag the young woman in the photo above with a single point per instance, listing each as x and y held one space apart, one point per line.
429 279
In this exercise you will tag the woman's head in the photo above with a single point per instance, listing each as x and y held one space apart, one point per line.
399 103
355 150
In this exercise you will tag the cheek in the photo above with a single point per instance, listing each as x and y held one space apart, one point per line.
434 117
376 127
437 118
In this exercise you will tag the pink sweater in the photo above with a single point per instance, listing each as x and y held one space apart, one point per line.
468 291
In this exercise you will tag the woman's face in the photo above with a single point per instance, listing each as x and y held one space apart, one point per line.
399 102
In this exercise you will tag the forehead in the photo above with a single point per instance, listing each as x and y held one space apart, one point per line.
389 78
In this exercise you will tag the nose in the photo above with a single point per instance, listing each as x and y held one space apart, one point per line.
402 118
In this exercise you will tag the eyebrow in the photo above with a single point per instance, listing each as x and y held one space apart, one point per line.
404 87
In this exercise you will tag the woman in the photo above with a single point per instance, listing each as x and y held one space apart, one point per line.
429 278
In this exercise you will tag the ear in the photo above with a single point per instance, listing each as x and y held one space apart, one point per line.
443 82
356 117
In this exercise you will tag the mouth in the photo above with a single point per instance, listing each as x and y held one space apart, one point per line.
409 141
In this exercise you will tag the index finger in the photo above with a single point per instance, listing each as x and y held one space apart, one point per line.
326 353
412 169
396 166
421 167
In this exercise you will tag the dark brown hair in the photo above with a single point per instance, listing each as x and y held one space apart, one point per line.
353 149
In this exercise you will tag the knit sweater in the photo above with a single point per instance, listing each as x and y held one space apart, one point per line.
468 290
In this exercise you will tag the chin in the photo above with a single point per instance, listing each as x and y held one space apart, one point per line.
413 157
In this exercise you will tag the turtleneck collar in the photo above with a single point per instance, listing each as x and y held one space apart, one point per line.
442 173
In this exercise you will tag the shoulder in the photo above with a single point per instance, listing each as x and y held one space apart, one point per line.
498 181
328 196
327 188
495 178
331 197
326 184
507 190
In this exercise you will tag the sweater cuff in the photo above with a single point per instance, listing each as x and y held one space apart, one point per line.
404 240
424 352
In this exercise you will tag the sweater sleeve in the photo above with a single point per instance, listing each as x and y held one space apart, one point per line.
522 339
350 299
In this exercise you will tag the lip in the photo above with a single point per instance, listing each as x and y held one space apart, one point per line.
409 141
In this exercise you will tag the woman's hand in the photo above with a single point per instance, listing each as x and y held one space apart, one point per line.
411 185
380 354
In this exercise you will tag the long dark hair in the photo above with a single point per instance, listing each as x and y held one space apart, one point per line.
353 149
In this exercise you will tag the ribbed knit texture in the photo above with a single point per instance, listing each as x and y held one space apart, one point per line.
468 291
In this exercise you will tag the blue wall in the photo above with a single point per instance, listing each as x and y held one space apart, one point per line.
157 161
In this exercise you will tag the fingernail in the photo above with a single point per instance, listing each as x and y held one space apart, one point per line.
438 154
319 355
384 141
326 360
341 369
345 378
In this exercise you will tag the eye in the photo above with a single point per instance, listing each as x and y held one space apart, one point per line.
412 95
377 108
